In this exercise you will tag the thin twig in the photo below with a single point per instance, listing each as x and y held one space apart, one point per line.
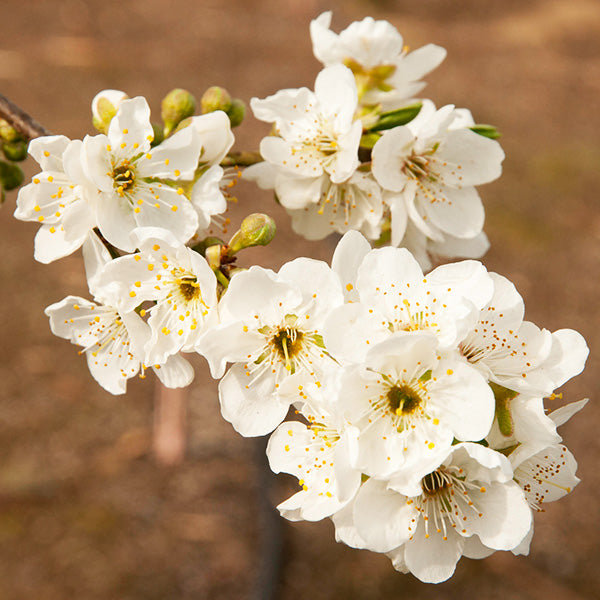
24 123
241 159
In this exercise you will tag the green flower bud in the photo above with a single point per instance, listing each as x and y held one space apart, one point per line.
256 230
11 176
177 105
7 132
237 112
215 98
15 151
104 107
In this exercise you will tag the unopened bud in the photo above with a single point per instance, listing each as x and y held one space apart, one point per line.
15 151
237 112
177 105
256 229
7 132
215 98
11 176
104 107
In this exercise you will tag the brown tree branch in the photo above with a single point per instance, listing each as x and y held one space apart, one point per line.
25 124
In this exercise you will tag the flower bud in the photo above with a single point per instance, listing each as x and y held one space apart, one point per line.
177 105
11 176
256 230
15 151
7 132
104 107
237 112
215 98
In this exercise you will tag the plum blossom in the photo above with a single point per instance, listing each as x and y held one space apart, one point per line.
386 72
315 147
176 279
516 353
433 165
271 328
56 199
113 339
317 453
409 405
469 500
136 185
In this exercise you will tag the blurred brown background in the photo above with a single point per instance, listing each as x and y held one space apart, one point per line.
85 512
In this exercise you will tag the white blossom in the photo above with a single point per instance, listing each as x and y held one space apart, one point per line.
436 165
271 328
469 498
386 72
56 199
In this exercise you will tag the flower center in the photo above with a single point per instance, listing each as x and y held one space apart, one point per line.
403 400
123 177
189 288
288 343
417 167
436 482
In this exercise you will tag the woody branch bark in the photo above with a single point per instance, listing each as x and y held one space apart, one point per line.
24 123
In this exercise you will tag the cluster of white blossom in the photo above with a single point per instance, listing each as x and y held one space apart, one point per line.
361 153
424 434
420 425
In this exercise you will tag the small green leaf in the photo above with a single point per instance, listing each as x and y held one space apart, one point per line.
398 117
488 131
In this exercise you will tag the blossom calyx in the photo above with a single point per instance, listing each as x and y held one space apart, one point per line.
176 106
256 229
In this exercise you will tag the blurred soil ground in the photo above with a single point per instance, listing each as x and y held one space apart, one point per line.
85 512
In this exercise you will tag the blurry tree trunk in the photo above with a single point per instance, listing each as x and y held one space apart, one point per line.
169 424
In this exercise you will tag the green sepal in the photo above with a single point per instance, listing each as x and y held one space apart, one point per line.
426 376
488 131
398 117
318 340
207 243
159 135
368 140
503 398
